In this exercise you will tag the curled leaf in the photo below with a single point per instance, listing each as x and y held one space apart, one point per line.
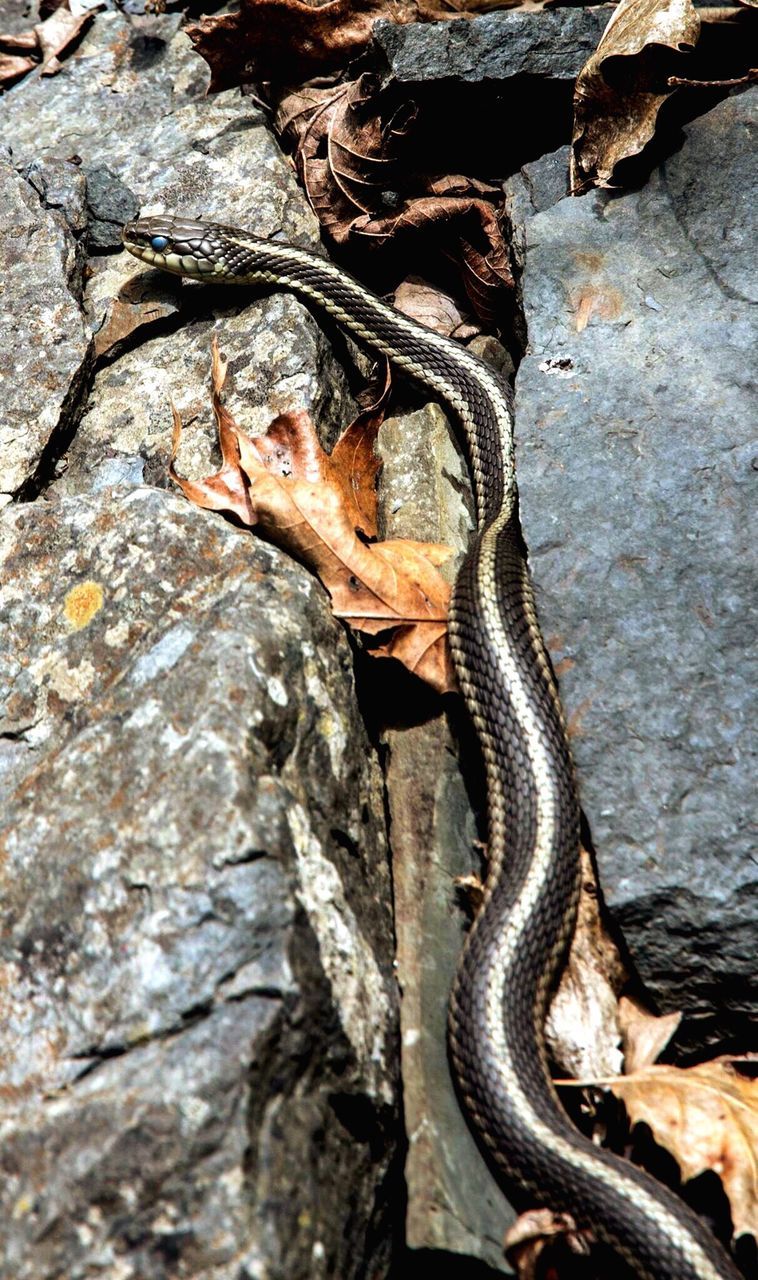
534 1234
356 154
623 86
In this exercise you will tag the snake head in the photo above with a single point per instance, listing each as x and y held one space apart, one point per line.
175 244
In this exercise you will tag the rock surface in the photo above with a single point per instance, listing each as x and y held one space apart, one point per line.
45 349
199 1032
552 44
635 466
199 1008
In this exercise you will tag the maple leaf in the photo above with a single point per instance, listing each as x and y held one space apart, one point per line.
707 1117
313 505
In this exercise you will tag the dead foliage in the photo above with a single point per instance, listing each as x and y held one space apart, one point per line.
707 1117
288 41
42 46
322 509
355 153
648 52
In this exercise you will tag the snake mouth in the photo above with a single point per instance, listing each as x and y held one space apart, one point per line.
174 244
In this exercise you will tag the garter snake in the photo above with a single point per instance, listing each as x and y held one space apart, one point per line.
517 942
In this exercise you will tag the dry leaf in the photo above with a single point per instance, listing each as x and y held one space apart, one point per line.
644 1036
13 67
44 43
311 505
355 153
290 40
622 87
434 309
532 1233
582 1028
707 1117
57 32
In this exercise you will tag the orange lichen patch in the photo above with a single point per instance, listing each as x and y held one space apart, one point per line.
591 260
82 603
590 302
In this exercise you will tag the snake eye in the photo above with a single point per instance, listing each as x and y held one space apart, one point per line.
158 243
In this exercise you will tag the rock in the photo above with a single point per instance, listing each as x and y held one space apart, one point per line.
61 185
45 351
454 1203
553 44
634 461
198 1033
199 1036
490 93
110 203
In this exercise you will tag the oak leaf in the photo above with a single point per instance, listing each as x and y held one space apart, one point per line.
317 506
707 1117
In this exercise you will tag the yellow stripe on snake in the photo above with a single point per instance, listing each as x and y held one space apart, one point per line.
518 940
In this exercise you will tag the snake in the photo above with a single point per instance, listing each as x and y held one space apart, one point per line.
517 942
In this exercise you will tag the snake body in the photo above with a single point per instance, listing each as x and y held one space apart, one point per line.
517 942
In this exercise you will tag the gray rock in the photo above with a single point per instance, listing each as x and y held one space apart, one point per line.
45 349
110 203
172 146
635 461
552 44
61 185
199 1046
198 1036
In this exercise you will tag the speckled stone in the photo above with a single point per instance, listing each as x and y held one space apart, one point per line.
198 1031
635 459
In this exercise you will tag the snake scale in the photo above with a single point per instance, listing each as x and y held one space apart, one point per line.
518 940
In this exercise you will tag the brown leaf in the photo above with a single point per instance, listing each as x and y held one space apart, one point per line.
622 87
347 143
707 1117
13 67
527 1239
45 41
460 222
644 1036
582 1027
310 504
291 41
354 149
354 464
57 33
434 309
